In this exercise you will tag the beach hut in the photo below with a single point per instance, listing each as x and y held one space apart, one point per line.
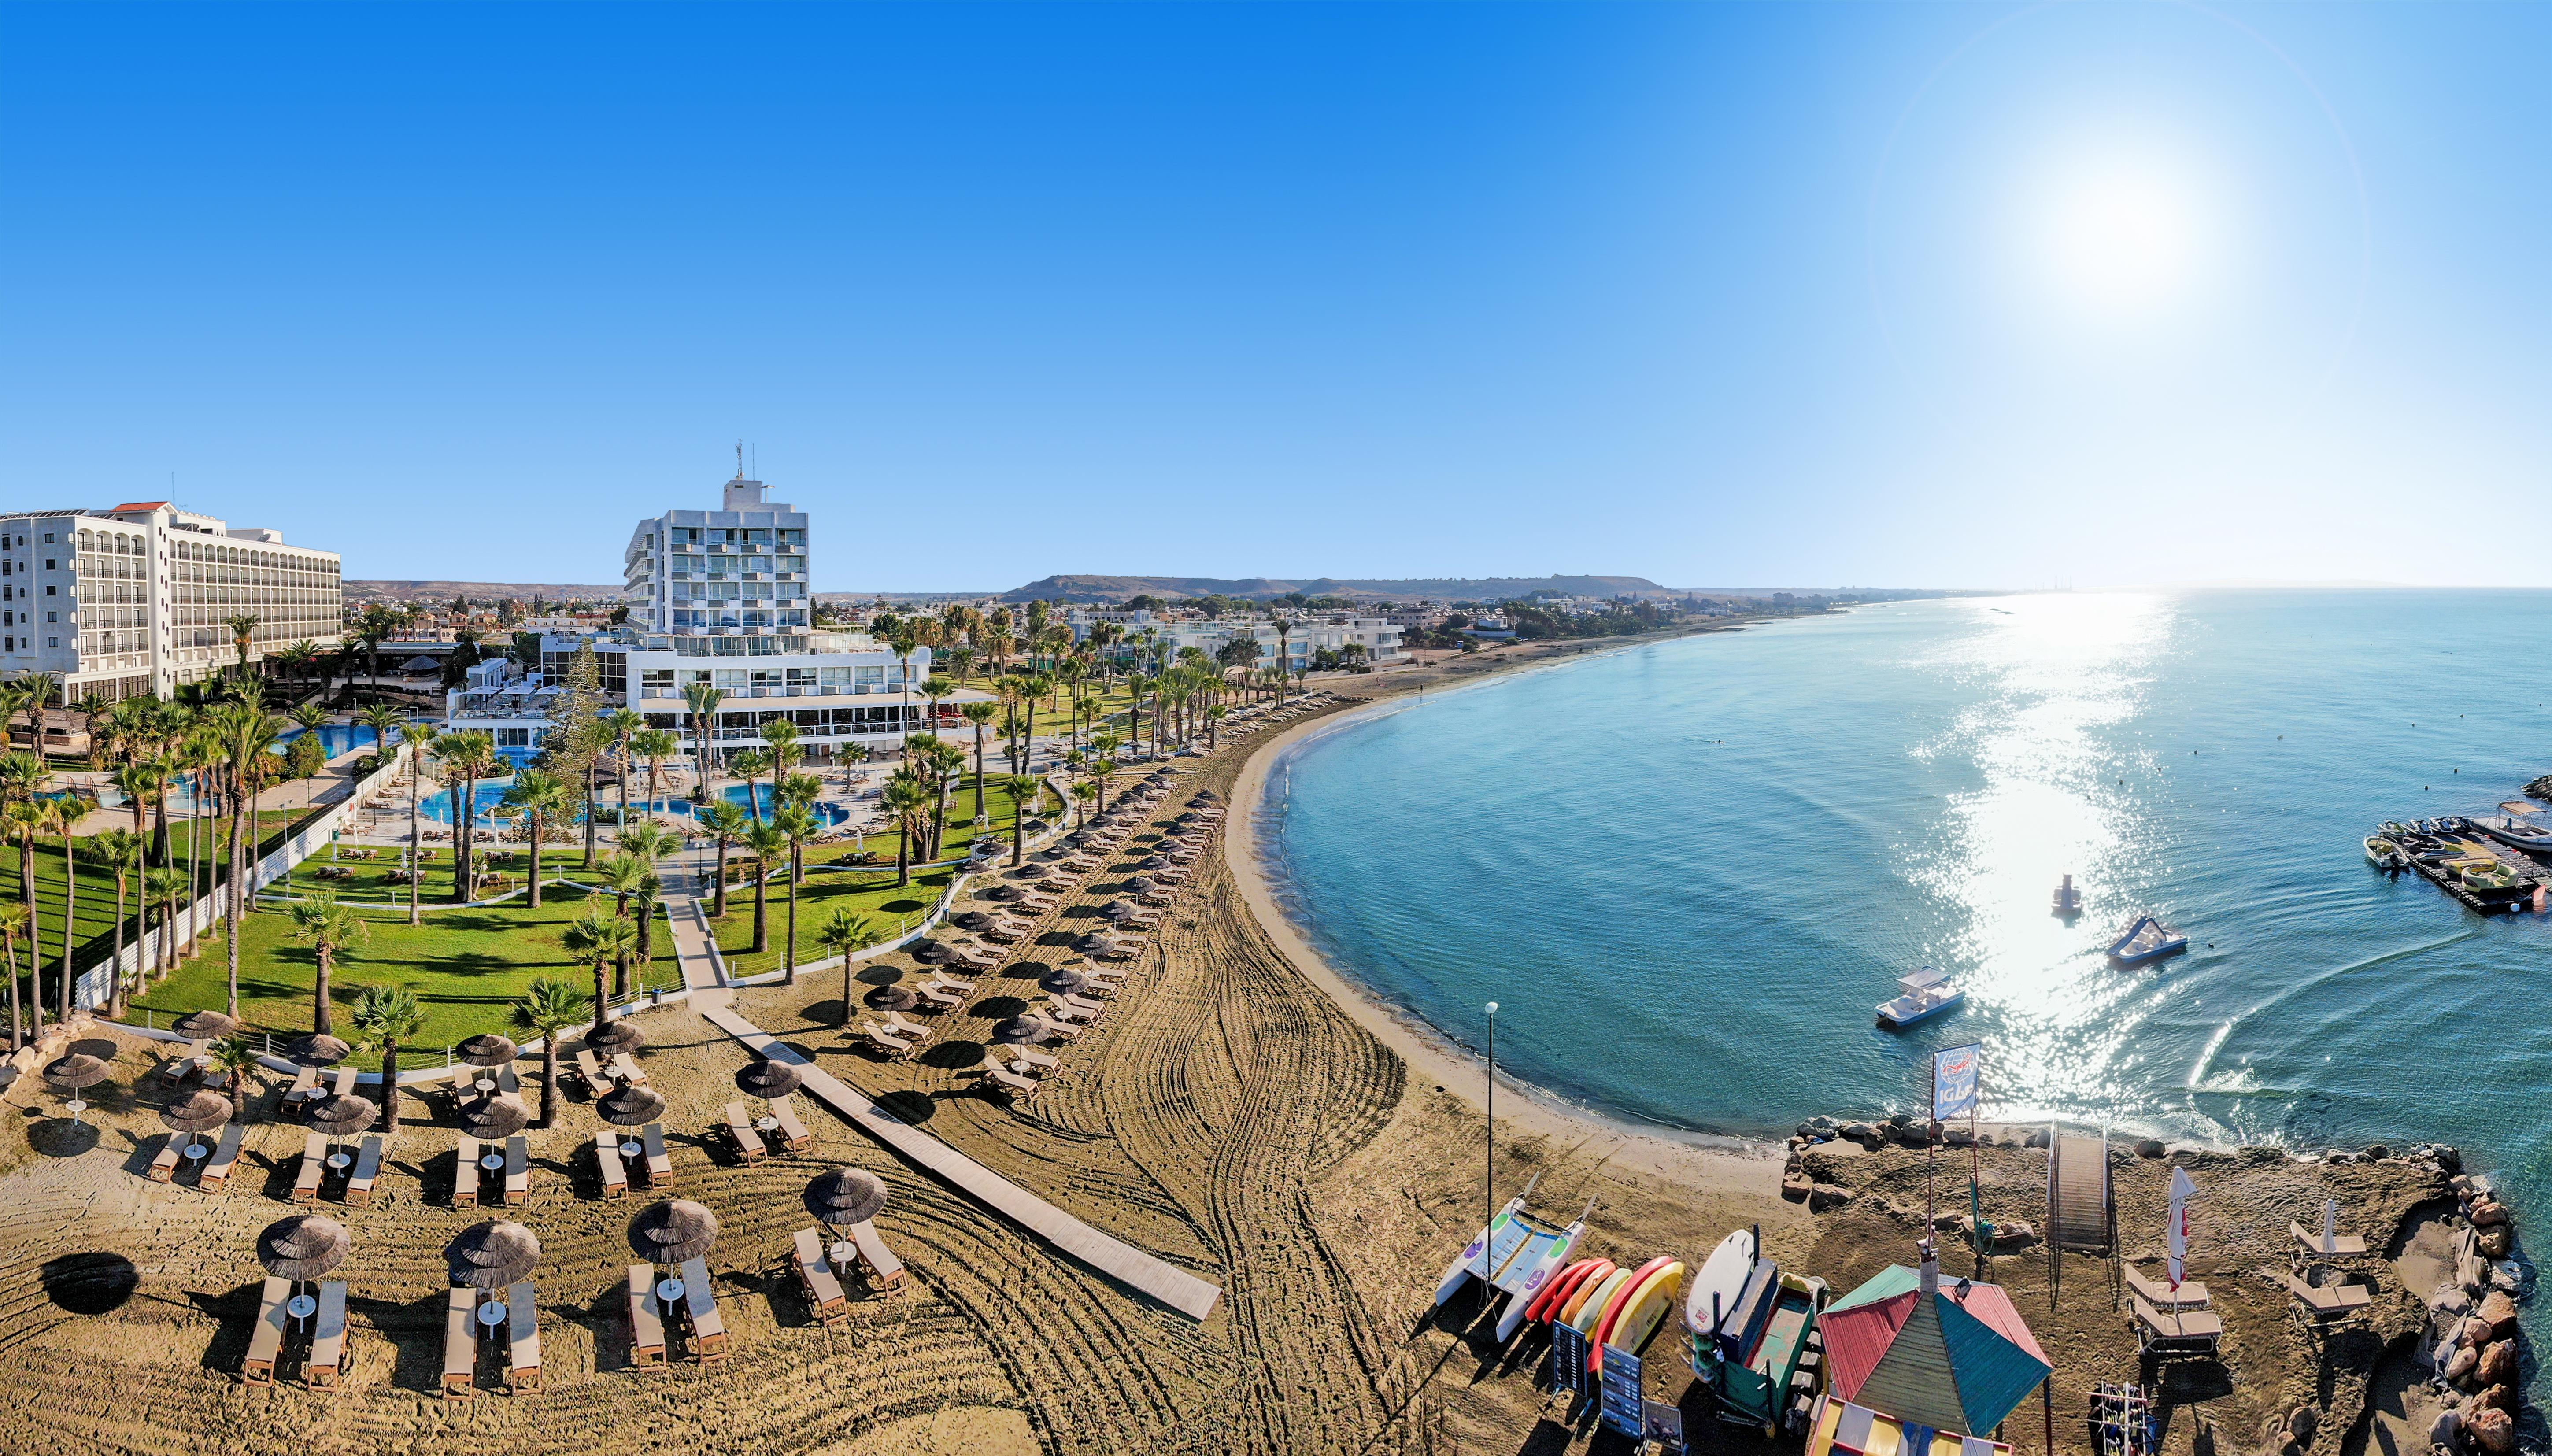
1951 1356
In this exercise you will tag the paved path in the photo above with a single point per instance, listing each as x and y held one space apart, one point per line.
691 949
1122 1261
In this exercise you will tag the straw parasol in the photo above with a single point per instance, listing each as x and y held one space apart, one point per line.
768 1079
1190 817
338 1114
76 1070
1118 910
492 1254
502 1115
206 1025
315 1049
970 921
629 1105
672 1231
619 1034
1153 862
304 1246
845 1196
487 1049
1018 1030
1141 884
931 952
1066 980
1206 799
891 998
1094 944
1003 893
201 1110
1032 871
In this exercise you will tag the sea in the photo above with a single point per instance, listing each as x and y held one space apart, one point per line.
1688 872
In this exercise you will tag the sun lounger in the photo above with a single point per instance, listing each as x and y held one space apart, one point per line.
607 1157
740 1131
625 1067
1059 1009
590 1073
314 1165
2190 1295
518 1171
660 1168
1034 1061
163 1167
936 996
217 1168
2324 1302
327 1337
1086 1004
793 1133
522 1338
343 1084
900 1026
709 1327
464 1173
886 1041
461 1345
508 1083
1054 1027
824 1298
368 1168
2342 1246
997 1076
185 1064
958 985
265 1339
884 1269
303 1092
2173 1331
646 1331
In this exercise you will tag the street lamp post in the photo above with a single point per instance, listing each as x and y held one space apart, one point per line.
1489 1174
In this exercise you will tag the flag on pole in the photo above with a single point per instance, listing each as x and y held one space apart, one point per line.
1954 1082
2181 1190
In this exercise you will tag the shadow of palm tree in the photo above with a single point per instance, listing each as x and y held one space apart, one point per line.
89 1284
952 1055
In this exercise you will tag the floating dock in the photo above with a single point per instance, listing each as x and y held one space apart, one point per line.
2530 872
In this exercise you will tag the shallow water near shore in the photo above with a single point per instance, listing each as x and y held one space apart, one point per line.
1688 872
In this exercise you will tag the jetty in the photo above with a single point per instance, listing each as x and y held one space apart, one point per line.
2483 873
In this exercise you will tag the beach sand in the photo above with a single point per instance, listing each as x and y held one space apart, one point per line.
1240 1111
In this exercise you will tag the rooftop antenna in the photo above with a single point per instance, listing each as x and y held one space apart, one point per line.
739 460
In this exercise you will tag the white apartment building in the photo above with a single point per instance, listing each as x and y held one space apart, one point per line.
727 582
137 598
1302 641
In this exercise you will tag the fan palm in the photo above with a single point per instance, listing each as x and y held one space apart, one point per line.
468 755
381 719
550 1005
597 937
119 853
908 802
726 823
543 797
655 745
979 714
243 626
164 886
62 816
328 928
748 765
702 700
649 842
13 926
846 933
238 1055
623 725
386 1016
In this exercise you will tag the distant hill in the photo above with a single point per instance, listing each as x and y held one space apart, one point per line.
444 592
1085 588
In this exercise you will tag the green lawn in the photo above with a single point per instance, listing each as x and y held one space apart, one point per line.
92 925
467 964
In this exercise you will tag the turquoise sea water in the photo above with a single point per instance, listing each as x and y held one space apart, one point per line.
1688 872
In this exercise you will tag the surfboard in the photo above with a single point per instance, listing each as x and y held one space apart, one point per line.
1642 1312
1566 1313
1559 1289
1622 1297
1715 1285
1591 1308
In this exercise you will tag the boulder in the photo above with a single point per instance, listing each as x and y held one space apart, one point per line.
2497 1243
2499 1313
2037 1138
1901 1119
1796 1186
2447 1157
1824 1196
2493 1430
2473 1332
2460 1366
2014 1235
2447 1426
2459 1184
1913 1136
2489 1213
1957 1137
2498 1398
2302 1423
2377 1152
2149 1147
2497 1363
1860 1132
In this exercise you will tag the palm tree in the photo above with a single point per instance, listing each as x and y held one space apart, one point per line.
781 739
199 754
1083 791
655 745
1284 633
795 824
702 700
247 732
907 800
119 853
164 886
979 714
1214 715
468 755
904 642
622 726
238 1056
243 627
626 876
13 924
649 842
846 933
1026 790
769 845
380 717
933 689
384 1017
296 659
748 765
548 1005
1138 684
62 816
328 928
599 937
726 823
541 796
420 739
372 629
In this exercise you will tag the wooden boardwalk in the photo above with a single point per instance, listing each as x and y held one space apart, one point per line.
1120 1261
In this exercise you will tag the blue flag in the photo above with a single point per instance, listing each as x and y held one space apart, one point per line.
1954 1082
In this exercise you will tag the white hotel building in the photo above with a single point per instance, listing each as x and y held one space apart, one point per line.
135 600
718 596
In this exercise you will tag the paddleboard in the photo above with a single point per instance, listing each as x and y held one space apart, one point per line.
1558 1289
1592 1308
1621 1299
1715 1285
1642 1312
1566 1313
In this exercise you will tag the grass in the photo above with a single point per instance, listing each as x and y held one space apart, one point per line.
872 891
467 966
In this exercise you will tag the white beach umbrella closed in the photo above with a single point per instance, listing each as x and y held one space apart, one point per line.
2181 1190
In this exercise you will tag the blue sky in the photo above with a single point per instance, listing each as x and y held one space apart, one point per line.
1912 296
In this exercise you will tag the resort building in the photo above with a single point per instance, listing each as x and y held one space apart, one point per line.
137 599
1303 640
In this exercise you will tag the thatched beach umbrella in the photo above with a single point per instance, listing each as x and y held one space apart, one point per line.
338 1114
629 1105
1003 893
495 1117
1065 980
1206 799
205 1025
1187 819
768 1079
1120 910
617 1035
930 951
891 998
1094 944
200 1110
970 921
1153 862
304 1246
315 1049
672 1231
845 1196
492 1254
76 1070
1140 884
1018 1031
487 1049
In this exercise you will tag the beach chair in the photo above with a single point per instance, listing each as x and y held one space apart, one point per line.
646 1331
265 1339
464 1173
625 1067
2173 1331
303 1092
607 1157
1088 1006
461 1345
740 1131
660 1168
900 1026
1054 1027
327 1338
217 1168
163 1167
1057 1009
793 1133
937 997
824 1298
590 1073
2318 1303
886 1041
884 1270
368 1167
996 1075
951 982
344 1083
522 1340
2190 1295
518 1171
314 1166
182 1065
2341 1246
1032 1061
709 1327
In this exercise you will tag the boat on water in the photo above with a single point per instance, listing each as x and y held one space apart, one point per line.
2145 941
1922 996
2068 900
2509 831
2485 876
2383 854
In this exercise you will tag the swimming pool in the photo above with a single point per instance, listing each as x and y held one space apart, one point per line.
336 737
437 806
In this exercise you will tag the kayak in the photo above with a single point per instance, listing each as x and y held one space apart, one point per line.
1566 1311
1652 1291
1559 1289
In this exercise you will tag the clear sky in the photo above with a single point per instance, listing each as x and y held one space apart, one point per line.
1720 295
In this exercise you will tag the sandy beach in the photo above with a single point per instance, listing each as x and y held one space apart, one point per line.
1239 1113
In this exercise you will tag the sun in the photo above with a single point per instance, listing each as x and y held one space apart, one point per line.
2121 242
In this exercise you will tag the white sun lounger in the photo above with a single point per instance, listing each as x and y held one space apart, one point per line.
646 1331
660 1168
522 1338
461 1345
217 1168
518 1171
314 1166
265 1339
163 1167
464 1172
824 1298
368 1170
709 1326
793 1133
885 1270
740 1131
327 1338
607 1157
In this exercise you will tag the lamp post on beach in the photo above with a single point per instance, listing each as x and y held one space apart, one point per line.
1489 1176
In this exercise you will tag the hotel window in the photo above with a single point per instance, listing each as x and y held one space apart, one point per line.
835 680
730 679
765 678
870 680
801 678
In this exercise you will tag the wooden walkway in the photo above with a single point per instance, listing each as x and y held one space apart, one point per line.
2078 1215
1122 1261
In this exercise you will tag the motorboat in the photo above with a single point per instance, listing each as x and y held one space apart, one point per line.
2383 854
2145 941
2511 832
1924 994
2068 900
